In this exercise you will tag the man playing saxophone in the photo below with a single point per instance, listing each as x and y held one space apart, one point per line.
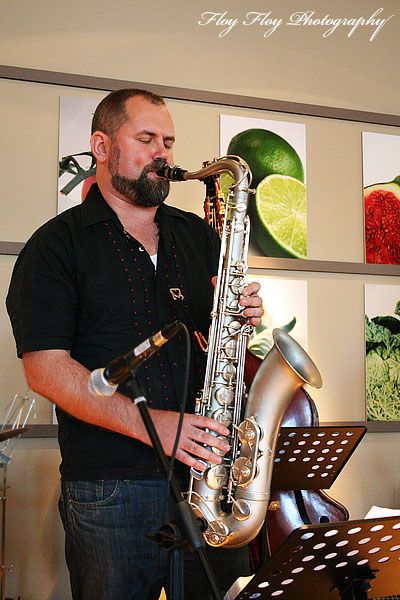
90 285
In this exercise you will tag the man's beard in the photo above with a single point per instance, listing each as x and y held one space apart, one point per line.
142 191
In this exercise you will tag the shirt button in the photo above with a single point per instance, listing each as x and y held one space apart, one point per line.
175 365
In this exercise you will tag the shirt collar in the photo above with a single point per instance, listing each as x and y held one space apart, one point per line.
96 210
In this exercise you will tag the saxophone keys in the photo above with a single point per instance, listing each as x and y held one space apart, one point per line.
242 470
198 406
233 327
230 348
217 451
199 475
224 395
229 372
234 306
241 509
223 416
241 207
217 477
237 285
216 533
249 432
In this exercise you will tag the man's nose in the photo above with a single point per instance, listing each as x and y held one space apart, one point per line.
160 151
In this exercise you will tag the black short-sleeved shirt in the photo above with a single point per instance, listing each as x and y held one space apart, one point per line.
84 285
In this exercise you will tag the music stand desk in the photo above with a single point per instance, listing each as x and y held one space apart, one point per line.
332 561
311 458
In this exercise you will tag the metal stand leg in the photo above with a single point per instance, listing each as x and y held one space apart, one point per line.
18 413
191 532
355 587
175 581
3 499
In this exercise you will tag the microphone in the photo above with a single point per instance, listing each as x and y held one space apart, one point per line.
104 382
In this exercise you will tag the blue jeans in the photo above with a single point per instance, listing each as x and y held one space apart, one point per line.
107 554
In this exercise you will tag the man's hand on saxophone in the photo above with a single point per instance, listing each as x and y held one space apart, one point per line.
254 305
195 440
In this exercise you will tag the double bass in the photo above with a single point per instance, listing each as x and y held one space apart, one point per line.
291 509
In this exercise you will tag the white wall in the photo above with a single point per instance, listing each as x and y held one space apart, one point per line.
162 43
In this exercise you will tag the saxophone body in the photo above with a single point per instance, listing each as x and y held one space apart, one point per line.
233 496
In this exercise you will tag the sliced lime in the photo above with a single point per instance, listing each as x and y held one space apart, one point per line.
281 216
226 181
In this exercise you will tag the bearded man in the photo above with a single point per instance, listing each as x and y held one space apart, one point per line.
90 285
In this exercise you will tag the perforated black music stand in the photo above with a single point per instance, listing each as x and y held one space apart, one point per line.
332 561
311 458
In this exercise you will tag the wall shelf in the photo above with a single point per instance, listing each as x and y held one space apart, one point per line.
282 264
51 431
193 95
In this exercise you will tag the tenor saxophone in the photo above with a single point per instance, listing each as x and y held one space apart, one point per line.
232 497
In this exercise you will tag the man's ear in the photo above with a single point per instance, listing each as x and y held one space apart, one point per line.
100 144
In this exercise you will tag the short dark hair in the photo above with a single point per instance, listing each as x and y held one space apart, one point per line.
111 114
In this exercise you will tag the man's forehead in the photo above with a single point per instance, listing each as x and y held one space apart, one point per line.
141 111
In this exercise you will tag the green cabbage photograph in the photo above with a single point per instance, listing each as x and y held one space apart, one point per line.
382 337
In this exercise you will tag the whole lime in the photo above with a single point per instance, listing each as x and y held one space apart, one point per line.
266 153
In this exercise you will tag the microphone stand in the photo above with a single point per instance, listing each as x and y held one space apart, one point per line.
186 532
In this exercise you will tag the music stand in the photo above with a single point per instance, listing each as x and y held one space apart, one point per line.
311 458
347 560
306 461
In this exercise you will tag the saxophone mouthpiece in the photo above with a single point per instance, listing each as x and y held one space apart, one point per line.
172 173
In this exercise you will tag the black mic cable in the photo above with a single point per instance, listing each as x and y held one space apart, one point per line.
166 496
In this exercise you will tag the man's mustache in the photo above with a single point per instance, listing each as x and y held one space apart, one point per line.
156 165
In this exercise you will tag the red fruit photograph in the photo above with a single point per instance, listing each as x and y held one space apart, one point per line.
381 172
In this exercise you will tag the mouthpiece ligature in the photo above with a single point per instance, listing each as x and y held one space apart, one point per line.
172 173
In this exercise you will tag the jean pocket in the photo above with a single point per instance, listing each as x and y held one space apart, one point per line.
92 493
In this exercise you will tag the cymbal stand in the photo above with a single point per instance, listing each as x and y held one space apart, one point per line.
18 413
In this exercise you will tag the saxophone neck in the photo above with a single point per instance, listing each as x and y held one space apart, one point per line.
234 165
